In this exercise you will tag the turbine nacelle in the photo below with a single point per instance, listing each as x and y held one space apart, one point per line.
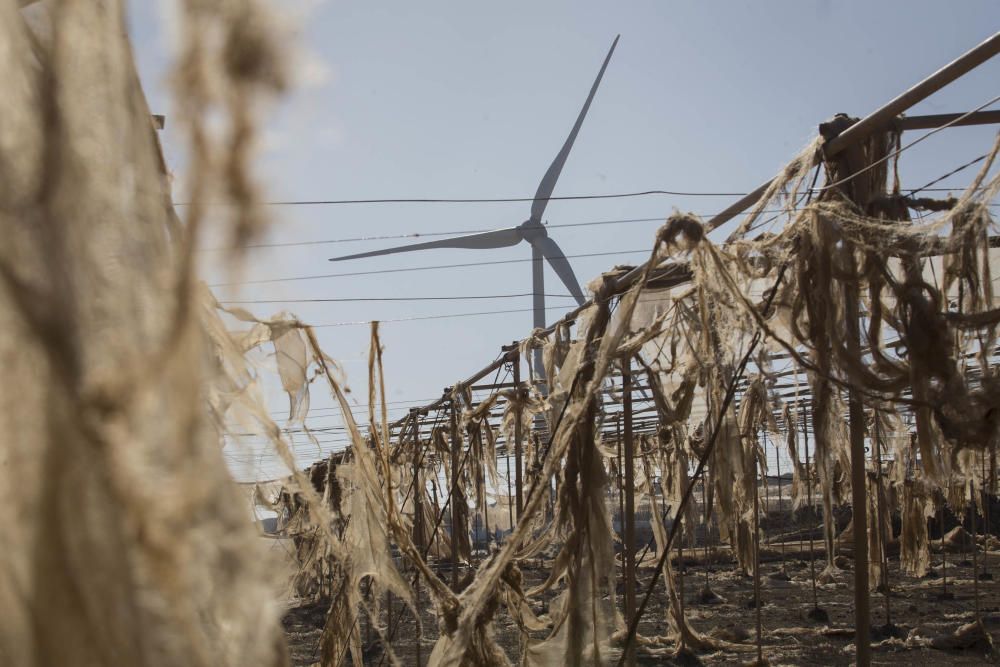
530 230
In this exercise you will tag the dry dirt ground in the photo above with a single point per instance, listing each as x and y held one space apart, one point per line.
920 608
923 610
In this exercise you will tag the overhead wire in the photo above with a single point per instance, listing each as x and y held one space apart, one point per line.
442 316
898 151
460 232
337 409
420 235
445 316
926 187
950 173
592 223
396 298
455 232
323 276
490 200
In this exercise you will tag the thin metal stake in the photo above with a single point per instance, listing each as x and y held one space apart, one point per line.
975 558
883 538
629 546
455 513
756 558
518 436
777 463
418 528
809 493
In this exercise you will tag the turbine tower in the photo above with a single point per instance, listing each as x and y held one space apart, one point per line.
531 230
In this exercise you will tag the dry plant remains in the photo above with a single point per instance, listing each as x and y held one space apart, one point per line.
858 339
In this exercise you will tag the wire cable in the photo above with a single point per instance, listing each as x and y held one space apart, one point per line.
461 232
434 317
488 200
398 298
420 235
485 200
442 316
359 408
644 251
913 143
950 173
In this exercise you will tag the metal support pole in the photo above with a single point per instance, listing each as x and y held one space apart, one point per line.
418 524
621 489
629 518
882 117
708 525
859 494
931 121
986 517
538 313
680 559
437 508
510 505
975 548
756 558
518 435
763 476
880 503
455 514
861 193
944 552
777 465
484 511
388 616
811 507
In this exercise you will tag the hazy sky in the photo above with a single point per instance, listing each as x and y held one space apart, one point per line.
460 99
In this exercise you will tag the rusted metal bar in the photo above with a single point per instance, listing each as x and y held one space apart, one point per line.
492 387
930 121
883 116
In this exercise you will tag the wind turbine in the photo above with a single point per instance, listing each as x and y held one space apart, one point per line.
531 230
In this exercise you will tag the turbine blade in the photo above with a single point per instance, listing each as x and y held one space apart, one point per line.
548 183
557 260
500 238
